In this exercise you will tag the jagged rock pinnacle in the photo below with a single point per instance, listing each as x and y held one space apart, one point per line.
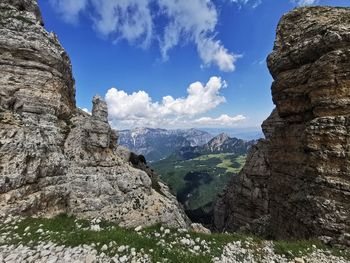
99 108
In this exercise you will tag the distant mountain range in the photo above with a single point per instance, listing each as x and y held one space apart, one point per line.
221 143
225 144
196 174
252 133
157 144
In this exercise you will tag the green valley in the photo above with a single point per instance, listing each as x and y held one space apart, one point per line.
197 181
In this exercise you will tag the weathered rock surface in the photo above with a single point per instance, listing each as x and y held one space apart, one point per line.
54 157
296 181
248 192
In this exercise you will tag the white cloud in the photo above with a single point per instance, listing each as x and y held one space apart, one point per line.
212 52
251 3
69 9
126 19
138 108
222 121
195 21
86 110
256 3
304 2
135 21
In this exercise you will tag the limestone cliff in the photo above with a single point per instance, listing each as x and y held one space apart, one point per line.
55 158
296 182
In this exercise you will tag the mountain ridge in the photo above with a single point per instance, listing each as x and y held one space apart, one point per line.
156 144
219 144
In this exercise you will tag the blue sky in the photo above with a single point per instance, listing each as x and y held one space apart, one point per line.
172 64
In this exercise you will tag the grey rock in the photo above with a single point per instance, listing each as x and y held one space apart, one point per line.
30 6
99 109
90 259
104 247
55 158
199 228
52 259
295 183
246 197
11 257
45 253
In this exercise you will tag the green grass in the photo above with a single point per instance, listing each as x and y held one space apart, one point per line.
70 232
173 169
206 193
210 156
229 162
221 167
298 248
293 249
228 165
232 165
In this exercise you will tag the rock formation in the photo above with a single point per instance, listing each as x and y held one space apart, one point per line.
296 182
55 158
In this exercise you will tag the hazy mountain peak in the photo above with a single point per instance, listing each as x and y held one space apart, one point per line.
221 137
156 144
224 143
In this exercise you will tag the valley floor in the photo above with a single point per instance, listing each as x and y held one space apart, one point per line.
196 182
66 239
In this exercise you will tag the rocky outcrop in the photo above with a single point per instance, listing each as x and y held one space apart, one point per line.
55 158
245 199
296 182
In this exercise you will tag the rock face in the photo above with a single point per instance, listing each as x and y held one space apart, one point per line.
55 158
246 198
296 182
99 109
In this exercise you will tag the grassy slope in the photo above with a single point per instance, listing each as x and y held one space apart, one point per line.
221 167
64 230
67 231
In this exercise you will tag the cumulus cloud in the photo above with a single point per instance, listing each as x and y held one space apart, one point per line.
138 108
223 121
137 22
200 98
